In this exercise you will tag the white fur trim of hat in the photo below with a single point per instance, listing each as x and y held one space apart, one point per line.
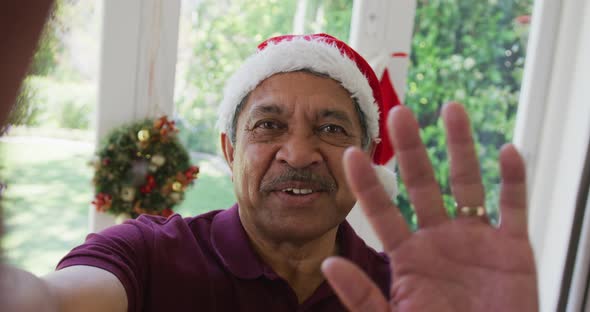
293 55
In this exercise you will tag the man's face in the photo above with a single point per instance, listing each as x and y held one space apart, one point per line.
287 159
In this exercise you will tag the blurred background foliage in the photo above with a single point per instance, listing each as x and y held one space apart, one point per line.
471 52
60 89
217 36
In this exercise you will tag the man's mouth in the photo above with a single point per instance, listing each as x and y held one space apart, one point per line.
298 195
298 191
299 186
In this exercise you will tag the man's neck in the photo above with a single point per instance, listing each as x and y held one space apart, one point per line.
298 264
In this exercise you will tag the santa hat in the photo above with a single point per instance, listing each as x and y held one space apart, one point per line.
327 55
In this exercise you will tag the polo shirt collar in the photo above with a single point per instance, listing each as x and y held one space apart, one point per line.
231 243
234 249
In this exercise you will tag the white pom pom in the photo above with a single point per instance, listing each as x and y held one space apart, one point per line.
388 179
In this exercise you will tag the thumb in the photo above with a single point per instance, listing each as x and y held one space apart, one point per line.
354 288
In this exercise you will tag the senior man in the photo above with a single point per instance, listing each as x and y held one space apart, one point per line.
299 121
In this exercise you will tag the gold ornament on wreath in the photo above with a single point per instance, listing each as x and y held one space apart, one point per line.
142 168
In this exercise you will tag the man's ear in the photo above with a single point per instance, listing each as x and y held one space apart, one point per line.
228 150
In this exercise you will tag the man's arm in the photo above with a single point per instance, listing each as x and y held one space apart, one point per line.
86 288
23 291
75 288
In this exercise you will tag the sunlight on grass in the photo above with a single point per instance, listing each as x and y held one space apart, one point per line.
208 169
49 192
212 190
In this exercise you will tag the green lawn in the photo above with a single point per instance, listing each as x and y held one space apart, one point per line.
49 193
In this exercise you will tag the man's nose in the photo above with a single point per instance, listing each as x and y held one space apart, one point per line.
300 151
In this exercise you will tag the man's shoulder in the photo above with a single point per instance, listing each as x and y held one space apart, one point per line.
148 240
175 219
171 227
148 230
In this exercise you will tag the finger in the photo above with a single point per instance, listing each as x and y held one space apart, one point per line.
513 219
384 216
415 168
354 288
466 183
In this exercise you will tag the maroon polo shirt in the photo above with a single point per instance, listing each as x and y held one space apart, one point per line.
207 263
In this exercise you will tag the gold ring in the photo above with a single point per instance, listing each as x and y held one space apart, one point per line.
468 211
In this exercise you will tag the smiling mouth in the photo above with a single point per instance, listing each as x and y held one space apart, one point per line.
297 191
298 196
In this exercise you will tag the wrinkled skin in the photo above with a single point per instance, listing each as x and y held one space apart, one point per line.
292 133
462 264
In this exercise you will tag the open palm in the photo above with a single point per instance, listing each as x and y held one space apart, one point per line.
448 264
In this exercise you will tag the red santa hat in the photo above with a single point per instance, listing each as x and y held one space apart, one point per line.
327 55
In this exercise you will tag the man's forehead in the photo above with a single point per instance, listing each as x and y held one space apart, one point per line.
334 112
301 86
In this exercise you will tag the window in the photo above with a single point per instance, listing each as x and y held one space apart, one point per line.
215 37
472 52
45 155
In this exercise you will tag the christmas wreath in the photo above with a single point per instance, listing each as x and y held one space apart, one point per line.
142 168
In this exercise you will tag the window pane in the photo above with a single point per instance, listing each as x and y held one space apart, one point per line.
215 38
471 52
51 139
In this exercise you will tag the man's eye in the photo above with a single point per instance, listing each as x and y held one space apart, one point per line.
268 124
332 129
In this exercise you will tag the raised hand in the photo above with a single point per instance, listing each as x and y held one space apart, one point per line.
448 264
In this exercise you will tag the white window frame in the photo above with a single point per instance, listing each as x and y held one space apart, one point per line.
380 28
138 63
552 131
